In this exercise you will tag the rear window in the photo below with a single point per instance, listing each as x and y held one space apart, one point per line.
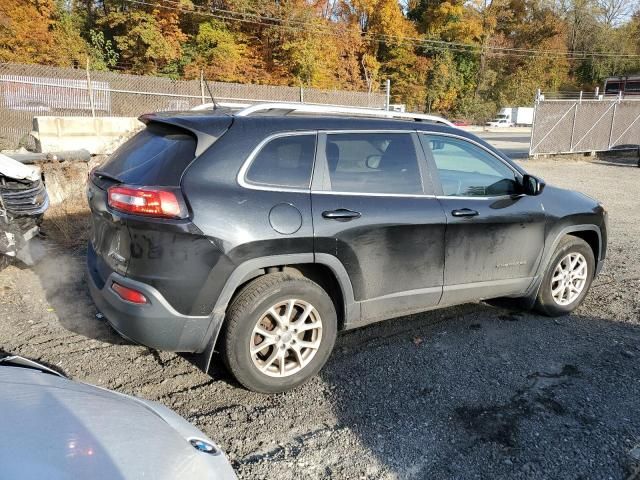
155 156
284 162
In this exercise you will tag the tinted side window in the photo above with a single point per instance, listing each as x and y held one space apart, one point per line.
466 170
284 162
155 156
373 163
612 87
632 86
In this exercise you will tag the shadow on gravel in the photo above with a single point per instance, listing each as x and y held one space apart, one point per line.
481 392
62 278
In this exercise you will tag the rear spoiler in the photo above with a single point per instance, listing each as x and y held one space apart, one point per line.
206 129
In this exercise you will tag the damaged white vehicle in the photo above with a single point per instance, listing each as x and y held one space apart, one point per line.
23 201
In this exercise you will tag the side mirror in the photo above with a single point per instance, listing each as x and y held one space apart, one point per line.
373 161
532 185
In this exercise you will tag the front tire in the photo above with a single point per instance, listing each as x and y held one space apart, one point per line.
567 279
279 332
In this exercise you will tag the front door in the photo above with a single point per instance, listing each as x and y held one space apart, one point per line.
495 235
374 210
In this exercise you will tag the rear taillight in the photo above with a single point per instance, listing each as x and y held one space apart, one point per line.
149 201
128 294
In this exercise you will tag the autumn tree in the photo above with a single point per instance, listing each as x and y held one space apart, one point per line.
148 40
38 32
462 58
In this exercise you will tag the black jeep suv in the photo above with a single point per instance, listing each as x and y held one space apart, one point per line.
261 236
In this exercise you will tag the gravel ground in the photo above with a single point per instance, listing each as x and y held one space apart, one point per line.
466 392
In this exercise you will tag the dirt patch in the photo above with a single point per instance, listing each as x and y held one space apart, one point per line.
67 221
501 423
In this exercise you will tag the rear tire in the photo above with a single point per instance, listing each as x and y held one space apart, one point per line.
567 279
293 318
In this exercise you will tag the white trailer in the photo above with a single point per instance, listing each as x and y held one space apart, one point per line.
522 116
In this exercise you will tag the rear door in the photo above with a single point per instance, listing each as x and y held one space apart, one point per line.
374 209
495 235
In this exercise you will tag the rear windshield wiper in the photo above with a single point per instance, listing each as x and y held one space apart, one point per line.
107 176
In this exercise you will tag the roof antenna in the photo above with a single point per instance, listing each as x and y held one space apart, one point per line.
213 99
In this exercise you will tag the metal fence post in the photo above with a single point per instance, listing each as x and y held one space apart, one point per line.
301 94
90 91
613 120
573 124
202 86
536 104
387 97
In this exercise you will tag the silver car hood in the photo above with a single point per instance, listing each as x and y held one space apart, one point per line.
18 171
54 428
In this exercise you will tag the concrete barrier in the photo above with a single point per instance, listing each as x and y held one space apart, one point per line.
100 135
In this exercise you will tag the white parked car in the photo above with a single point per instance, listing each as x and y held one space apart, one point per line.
499 123
54 428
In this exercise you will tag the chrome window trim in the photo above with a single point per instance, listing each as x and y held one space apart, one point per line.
241 177
377 130
458 197
403 195
361 194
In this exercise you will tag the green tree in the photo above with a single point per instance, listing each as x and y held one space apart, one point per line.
101 51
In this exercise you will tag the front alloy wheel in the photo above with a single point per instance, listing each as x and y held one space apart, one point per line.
568 277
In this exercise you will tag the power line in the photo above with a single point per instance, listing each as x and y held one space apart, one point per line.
440 45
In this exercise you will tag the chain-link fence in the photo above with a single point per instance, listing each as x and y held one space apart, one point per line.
27 91
574 126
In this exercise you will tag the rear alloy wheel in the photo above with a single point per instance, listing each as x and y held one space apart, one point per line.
568 277
286 338
279 332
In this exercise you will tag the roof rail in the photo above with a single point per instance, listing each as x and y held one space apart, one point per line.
315 108
209 106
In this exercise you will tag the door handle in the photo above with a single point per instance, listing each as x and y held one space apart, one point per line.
340 214
464 212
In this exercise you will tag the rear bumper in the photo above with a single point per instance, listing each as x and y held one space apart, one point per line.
155 324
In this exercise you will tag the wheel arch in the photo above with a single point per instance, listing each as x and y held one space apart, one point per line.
593 238
590 233
324 269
